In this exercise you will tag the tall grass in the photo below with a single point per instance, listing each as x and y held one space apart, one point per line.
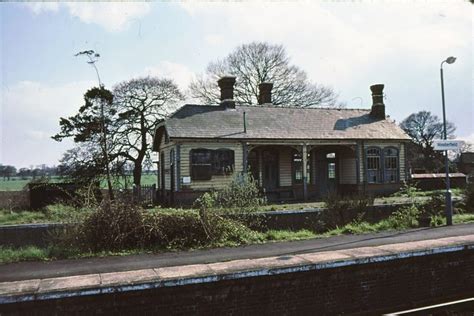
30 253
56 213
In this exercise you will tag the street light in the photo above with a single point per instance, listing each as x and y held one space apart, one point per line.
449 204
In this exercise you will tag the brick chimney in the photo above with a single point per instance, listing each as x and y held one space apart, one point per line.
265 92
226 84
378 107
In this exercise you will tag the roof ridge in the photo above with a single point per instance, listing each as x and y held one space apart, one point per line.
301 108
275 107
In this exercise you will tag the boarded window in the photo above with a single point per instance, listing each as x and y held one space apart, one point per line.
373 165
205 163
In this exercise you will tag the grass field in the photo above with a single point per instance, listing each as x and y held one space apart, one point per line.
17 184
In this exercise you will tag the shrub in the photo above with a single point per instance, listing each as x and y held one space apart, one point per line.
341 211
469 198
112 226
121 226
408 190
434 207
242 193
405 217
437 220
238 201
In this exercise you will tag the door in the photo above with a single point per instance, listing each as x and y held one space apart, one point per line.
162 175
326 174
270 170
331 176
172 180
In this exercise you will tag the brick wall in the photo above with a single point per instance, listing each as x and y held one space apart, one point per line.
355 289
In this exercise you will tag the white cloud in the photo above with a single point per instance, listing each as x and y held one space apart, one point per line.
351 45
40 7
337 40
468 139
214 39
113 16
180 73
30 116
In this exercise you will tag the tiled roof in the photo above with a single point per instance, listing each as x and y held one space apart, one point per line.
270 122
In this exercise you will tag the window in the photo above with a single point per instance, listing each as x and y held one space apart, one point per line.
390 165
373 165
331 161
205 163
253 166
297 168
332 170
297 162
201 164
382 166
223 162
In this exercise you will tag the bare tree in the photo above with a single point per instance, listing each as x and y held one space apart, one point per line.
259 62
141 104
424 127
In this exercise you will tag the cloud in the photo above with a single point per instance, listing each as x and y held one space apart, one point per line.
40 7
468 138
214 39
335 41
30 116
180 73
351 45
109 15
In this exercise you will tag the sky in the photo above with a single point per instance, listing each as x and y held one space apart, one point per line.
347 45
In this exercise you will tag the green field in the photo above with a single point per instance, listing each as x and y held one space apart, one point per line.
17 184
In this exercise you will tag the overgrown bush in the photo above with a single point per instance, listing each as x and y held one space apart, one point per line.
120 226
343 210
242 193
405 217
238 201
469 198
407 190
112 226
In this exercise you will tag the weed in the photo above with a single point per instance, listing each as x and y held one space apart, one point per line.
280 235
28 253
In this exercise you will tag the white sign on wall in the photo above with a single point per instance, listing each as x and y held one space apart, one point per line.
448 144
186 180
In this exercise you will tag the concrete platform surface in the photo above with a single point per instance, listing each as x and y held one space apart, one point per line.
60 268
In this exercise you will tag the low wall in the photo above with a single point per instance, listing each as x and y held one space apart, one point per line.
15 200
320 220
439 183
39 235
313 219
361 281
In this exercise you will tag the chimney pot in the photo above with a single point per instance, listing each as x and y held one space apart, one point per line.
265 92
378 107
226 84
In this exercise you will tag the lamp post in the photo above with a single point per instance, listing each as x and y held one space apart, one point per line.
449 204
